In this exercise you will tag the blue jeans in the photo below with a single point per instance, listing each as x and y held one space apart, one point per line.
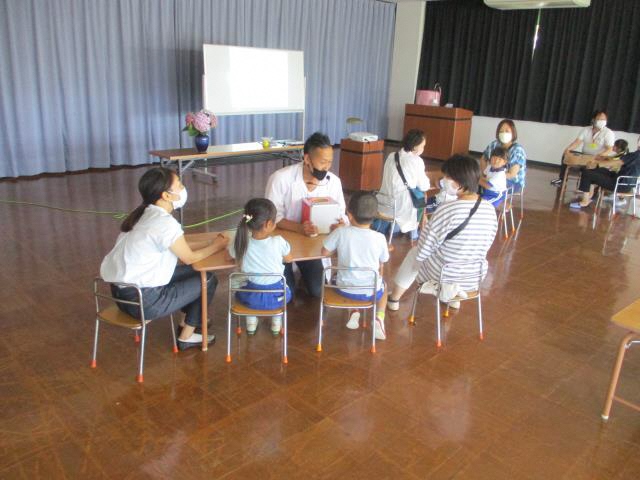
383 227
181 293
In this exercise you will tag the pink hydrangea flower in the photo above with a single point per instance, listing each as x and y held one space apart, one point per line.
188 119
201 122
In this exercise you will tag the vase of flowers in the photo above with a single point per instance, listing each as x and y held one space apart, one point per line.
198 125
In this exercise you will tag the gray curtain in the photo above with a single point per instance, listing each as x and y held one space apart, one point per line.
96 83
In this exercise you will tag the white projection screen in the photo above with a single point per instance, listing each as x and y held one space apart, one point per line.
246 80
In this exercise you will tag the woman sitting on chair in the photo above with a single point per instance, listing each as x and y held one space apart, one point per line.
147 252
601 176
507 138
393 188
459 231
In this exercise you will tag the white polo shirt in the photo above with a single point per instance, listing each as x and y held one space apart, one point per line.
286 189
142 255
598 143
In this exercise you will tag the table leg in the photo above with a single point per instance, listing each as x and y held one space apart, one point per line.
564 183
203 319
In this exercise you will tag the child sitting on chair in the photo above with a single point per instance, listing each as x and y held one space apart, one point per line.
256 251
360 247
494 178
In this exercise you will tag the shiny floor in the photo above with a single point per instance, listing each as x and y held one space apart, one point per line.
522 404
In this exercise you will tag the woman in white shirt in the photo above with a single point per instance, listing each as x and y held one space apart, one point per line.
393 188
596 139
147 252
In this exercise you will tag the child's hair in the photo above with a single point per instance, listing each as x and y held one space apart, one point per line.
499 152
464 170
257 212
622 146
363 206
151 186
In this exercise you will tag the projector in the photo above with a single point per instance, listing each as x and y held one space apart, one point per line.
363 137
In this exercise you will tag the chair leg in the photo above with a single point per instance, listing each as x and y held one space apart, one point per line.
285 358
364 319
373 327
140 378
504 224
238 325
480 317
438 329
412 317
173 334
513 225
521 204
446 311
393 227
136 336
563 188
320 321
228 357
615 375
95 345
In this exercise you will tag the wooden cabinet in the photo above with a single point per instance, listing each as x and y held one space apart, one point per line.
361 164
448 130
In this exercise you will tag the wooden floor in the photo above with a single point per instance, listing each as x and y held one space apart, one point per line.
523 404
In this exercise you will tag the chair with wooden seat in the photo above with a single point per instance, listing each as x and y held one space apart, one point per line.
237 280
330 298
114 316
449 275
629 319
625 182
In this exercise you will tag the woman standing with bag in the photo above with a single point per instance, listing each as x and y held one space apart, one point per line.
408 192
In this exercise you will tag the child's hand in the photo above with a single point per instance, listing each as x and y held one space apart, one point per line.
221 240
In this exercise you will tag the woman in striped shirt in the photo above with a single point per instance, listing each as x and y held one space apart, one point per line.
436 245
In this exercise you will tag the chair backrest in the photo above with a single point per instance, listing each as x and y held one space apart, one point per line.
627 181
465 273
237 283
372 286
99 284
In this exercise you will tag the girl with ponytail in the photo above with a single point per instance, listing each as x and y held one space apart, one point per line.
256 251
147 252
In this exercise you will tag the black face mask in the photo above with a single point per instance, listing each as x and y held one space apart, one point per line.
318 174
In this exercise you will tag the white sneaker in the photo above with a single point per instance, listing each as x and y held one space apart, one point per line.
276 324
454 305
380 333
252 325
193 341
354 321
393 305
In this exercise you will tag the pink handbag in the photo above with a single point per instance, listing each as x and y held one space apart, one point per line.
429 97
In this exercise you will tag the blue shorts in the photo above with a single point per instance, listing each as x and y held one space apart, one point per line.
495 198
362 297
262 300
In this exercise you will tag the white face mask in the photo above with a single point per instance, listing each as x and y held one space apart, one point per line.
181 201
505 137
600 124
450 187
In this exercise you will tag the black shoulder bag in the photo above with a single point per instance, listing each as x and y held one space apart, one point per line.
462 226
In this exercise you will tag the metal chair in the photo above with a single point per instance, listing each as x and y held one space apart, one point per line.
519 192
506 207
627 182
240 310
391 205
629 319
114 316
449 275
330 298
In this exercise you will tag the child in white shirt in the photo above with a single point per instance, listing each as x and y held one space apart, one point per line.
256 251
360 247
494 178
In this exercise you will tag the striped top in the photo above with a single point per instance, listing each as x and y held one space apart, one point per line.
471 244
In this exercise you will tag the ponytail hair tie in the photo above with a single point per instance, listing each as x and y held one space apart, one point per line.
247 217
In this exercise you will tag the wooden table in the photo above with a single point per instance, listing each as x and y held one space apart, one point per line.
302 248
185 157
573 159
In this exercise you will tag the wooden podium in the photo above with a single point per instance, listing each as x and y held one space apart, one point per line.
361 164
447 129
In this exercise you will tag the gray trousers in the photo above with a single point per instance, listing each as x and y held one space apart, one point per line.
181 293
